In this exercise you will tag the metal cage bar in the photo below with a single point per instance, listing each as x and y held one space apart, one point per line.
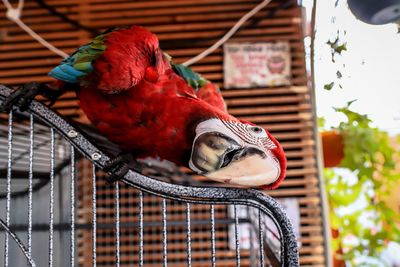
188 236
140 228
260 238
94 218
164 235
190 196
237 244
8 201
72 188
213 257
51 204
117 226
31 141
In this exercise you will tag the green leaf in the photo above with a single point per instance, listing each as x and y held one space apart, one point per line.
340 48
336 47
321 121
329 86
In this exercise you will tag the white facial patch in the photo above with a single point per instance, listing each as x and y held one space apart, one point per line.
249 134
252 170
215 125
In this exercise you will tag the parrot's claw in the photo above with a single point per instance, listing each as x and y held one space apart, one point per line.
24 96
118 167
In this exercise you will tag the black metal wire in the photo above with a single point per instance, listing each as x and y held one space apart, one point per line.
43 182
147 224
64 18
44 177
19 243
165 43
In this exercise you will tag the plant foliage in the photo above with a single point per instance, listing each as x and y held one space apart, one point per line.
358 210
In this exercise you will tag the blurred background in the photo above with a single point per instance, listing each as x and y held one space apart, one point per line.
334 108
356 94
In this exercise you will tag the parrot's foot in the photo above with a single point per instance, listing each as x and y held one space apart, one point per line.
23 96
118 167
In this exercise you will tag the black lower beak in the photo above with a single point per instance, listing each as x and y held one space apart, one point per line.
238 154
211 151
230 156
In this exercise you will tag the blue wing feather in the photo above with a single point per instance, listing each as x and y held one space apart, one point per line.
66 73
79 63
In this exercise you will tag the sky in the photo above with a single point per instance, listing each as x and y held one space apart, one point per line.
370 67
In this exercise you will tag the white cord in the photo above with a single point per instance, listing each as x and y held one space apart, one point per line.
8 5
229 34
14 14
40 39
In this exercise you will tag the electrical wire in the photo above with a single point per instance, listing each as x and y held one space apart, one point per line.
228 35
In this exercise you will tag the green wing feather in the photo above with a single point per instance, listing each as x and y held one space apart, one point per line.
194 79
79 63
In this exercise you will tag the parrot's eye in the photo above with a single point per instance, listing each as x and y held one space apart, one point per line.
258 131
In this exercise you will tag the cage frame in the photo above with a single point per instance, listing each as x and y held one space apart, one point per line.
289 255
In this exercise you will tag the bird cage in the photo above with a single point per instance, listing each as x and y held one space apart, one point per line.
58 209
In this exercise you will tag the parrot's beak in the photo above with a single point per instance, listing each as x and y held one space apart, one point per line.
223 159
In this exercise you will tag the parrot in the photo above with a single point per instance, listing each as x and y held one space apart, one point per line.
150 107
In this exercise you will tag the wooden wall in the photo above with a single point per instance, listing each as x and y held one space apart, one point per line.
185 28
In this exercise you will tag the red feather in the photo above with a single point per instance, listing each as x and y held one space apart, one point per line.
212 95
155 118
137 101
128 54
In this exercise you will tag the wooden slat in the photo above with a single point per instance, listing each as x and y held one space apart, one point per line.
150 239
185 28
196 255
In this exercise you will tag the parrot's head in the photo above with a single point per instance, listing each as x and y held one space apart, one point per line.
237 152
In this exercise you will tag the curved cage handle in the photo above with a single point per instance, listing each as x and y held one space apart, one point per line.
21 246
191 194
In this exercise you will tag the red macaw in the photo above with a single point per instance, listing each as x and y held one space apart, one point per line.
132 92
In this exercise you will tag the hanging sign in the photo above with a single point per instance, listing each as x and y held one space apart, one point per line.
249 65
